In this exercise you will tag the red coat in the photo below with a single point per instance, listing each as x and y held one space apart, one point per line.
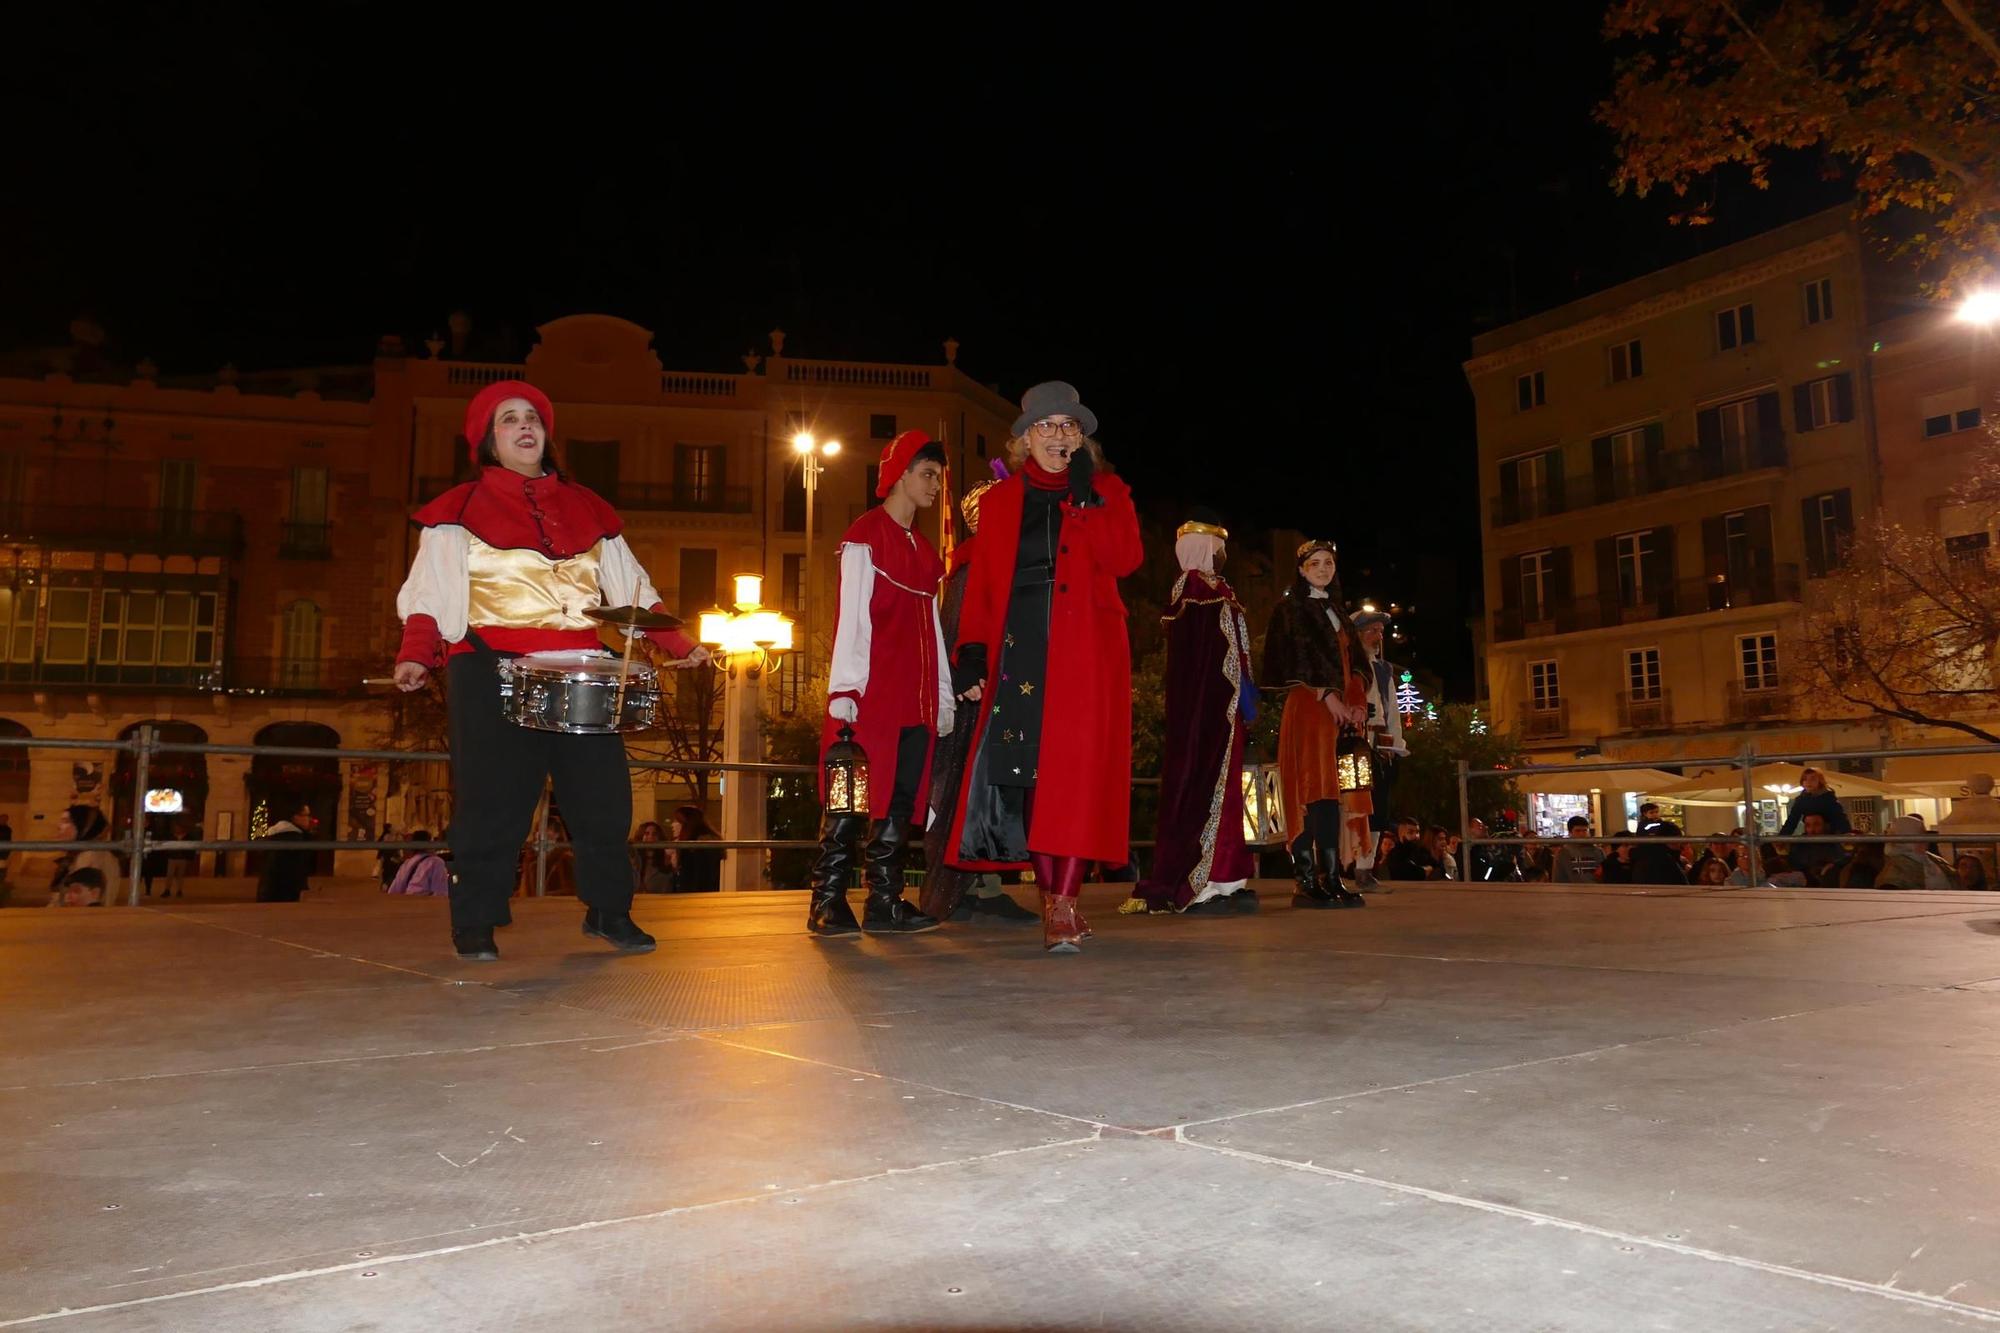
1083 799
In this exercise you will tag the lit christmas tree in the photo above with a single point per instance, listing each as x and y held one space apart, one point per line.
1408 701
1478 723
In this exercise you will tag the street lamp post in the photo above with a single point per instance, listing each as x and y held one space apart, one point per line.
745 643
810 451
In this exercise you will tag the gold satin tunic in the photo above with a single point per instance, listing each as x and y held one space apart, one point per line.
527 590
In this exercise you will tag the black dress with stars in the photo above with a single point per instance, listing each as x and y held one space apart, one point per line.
1005 768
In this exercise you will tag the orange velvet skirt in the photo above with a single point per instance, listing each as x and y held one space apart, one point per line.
1309 760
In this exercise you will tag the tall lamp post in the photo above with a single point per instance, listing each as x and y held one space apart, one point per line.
810 451
745 643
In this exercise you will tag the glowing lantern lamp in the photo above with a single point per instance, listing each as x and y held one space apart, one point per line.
846 771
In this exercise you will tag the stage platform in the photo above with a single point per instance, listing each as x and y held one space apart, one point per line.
1459 1108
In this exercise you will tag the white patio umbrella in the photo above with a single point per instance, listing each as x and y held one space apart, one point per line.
1724 786
1645 781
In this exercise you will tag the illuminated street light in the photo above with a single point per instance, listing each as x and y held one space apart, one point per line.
1981 307
810 450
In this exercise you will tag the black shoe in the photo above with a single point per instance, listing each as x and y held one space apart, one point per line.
1338 892
1002 910
1312 892
828 913
962 912
1242 901
475 945
887 915
887 912
617 929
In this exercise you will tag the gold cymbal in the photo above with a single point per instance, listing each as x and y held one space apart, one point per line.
633 617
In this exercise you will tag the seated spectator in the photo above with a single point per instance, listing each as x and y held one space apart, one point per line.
1972 873
1906 865
1617 867
1658 862
1859 871
1411 858
1721 849
1444 846
1576 860
1814 857
1779 872
1489 864
1712 871
83 878
422 874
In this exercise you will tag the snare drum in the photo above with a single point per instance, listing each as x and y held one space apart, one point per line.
575 692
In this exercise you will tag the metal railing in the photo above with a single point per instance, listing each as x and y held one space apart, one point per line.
1752 837
1682 467
1674 598
145 745
175 531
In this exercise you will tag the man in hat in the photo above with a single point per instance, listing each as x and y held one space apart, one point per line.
890 681
1385 734
1201 862
506 566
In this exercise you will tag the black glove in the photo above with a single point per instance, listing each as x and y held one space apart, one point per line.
969 669
1082 471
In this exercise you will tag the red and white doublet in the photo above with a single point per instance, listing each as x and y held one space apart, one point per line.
888 648
519 559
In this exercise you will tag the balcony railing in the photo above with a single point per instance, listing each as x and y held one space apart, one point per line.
249 675
1545 722
305 541
1645 710
1685 467
1741 703
1683 597
166 531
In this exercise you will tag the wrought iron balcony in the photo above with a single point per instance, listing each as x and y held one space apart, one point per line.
306 541
1685 467
246 675
159 531
1681 597
1645 710
1741 703
679 496
1544 723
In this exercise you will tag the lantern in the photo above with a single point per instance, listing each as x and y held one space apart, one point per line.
1357 765
845 769
1263 805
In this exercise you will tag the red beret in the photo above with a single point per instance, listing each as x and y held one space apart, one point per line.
479 412
896 456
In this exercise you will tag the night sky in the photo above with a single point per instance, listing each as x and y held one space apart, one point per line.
1261 256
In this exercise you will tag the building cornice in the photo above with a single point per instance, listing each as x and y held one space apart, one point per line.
1699 293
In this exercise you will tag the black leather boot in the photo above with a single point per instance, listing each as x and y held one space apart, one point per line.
1338 894
618 930
1312 893
828 913
887 911
475 944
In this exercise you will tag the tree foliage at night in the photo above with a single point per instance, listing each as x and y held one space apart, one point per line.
1908 628
1903 96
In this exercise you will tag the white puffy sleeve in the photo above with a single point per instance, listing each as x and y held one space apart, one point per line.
853 632
622 579
439 585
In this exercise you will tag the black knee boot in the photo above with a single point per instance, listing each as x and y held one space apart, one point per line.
887 911
1311 892
1337 893
829 913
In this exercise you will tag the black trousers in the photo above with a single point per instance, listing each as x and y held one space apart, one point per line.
497 770
911 742
1383 820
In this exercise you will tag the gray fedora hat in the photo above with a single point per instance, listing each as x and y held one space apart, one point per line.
1054 399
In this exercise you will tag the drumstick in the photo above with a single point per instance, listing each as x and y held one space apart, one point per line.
618 700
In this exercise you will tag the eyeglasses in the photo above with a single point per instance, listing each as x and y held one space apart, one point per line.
1046 429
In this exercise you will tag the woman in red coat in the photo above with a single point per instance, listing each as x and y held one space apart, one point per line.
1043 650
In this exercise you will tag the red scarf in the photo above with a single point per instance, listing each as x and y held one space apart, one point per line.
1041 478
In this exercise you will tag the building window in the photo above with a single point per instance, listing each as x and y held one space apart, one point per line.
1530 391
792 514
1757 661
305 533
1544 687
1735 327
1824 402
1947 422
1635 561
792 583
1828 522
1626 362
148 627
593 464
698 476
871 481
17 623
68 641
1967 553
1538 586
979 445
791 683
299 669
1819 300
177 478
882 426
697 587
1642 673
1845 650
1525 482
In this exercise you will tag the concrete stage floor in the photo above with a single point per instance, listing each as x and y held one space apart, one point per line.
1523 1108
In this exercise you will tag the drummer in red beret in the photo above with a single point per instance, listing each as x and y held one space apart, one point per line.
506 566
